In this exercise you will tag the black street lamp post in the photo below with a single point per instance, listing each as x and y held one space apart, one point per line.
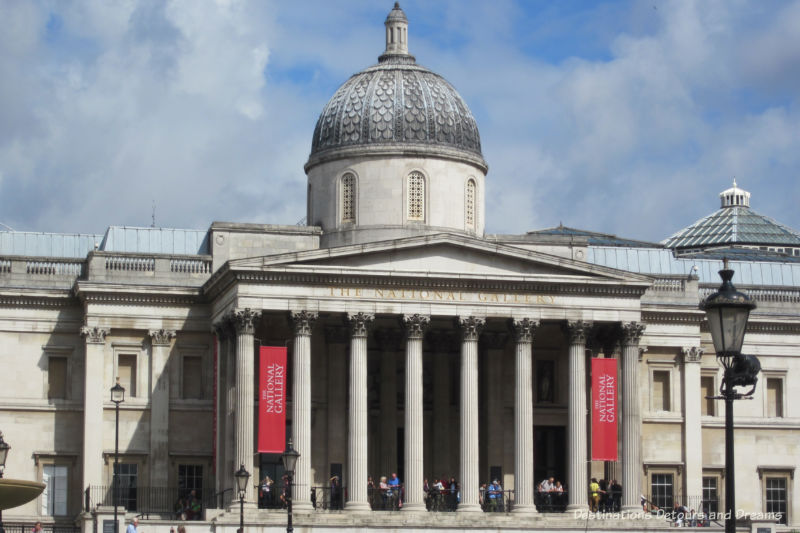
289 458
727 311
117 396
241 476
4 447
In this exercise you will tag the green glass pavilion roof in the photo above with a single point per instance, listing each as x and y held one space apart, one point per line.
734 225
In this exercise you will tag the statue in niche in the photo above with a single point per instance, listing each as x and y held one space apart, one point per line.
544 384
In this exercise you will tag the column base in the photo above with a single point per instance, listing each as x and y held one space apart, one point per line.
357 507
525 509
578 507
469 508
413 508
302 506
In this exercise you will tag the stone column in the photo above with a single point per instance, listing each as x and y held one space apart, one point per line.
244 322
523 416
692 431
631 417
414 453
303 322
576 432
160 341
357 434
470 331
94 394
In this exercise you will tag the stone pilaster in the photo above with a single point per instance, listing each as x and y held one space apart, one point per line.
94 396
160 342
577 478
692 431
357 435
303 322
415 326
244 322
493 344
631 417
524 330
225 405
470 327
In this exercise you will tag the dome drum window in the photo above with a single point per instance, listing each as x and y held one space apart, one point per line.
416 196
469 205
348 198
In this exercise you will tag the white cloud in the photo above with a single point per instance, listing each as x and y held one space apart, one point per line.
106 107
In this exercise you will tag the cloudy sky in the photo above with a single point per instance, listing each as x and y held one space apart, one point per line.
626 117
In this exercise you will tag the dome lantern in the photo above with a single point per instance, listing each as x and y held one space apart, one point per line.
396 35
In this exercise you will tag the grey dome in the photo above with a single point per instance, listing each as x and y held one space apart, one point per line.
396 106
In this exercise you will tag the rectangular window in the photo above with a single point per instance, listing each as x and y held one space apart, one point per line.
661 490
192 377
128 485
774 397
190 478
710 504
661 390
706 391
777 498
54 497
56 378
126 371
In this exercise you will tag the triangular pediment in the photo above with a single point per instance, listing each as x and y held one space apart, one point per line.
442 254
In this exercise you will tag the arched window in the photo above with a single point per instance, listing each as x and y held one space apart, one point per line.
348 198
469 204
416 196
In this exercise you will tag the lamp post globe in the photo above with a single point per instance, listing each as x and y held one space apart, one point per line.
727 311
117 397
289 459
242 476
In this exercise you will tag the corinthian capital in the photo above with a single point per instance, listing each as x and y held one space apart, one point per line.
359 323
577 331
161 337
692 354
94 334
631 333
416 325
244 320
471 327
523 329
303 321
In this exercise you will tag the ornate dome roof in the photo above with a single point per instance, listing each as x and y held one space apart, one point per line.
396 106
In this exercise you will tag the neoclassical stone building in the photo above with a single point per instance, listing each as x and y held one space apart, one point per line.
417 343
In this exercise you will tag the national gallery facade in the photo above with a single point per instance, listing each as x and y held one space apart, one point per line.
417 344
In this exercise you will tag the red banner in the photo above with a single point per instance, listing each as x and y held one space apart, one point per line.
604 409
272 400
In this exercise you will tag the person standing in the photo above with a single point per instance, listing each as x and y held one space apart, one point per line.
133 527
594 493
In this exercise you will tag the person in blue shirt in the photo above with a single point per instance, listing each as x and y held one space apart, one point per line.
133 527
394 486
495 496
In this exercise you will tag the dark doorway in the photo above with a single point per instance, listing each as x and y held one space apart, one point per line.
549 453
